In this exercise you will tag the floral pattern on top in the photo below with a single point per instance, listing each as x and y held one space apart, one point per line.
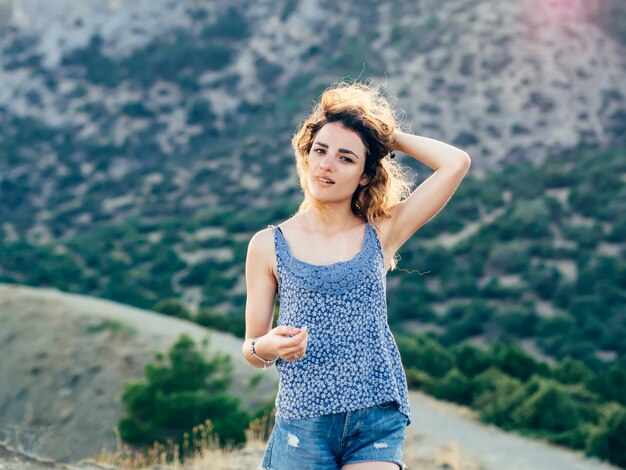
352 360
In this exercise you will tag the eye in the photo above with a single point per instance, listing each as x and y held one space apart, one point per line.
319 151
346 159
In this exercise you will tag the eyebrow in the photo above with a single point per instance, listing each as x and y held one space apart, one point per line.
321 144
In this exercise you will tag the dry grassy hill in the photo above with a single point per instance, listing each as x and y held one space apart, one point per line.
65 359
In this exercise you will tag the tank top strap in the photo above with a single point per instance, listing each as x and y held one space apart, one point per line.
280 244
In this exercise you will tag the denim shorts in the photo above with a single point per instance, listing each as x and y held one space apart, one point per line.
331 441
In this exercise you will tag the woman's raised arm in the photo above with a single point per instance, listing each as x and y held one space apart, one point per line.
450 164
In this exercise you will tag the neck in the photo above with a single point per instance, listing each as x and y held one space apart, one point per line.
330 219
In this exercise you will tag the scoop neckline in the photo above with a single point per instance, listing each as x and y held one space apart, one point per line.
366 237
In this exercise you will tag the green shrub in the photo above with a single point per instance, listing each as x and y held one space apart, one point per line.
219 321
494 290
513 360
546 406
425 354
576 438
587 238
572 371
413 307
267 72
180 395
610 384
518 321
494 394
509 257
454 386
618 232
172 307
98 67
419 380
201 112
471 360
466 320
459 282
609 440
491 194
136 110
526 219
230 25
543 280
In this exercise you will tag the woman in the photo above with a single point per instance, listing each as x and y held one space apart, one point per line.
342 399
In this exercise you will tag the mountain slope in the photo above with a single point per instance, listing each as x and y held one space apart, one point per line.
160 108
65 359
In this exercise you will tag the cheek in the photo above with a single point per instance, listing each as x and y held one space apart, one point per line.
310 160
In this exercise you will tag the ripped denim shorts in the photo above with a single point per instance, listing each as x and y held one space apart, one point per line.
331 441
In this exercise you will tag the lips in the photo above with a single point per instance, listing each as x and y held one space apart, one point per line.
325 180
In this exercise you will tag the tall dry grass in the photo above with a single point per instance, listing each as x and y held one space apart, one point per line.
200 450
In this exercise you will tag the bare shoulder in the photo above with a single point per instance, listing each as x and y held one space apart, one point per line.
262 243
261 251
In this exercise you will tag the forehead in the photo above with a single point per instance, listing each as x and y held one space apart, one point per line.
334 134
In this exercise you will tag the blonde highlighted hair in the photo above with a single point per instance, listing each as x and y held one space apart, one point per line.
363 109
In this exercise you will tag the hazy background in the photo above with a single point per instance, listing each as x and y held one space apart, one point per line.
143 143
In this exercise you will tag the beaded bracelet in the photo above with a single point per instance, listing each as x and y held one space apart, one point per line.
266 363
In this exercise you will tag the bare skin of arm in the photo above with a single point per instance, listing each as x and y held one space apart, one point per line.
450 164
286 342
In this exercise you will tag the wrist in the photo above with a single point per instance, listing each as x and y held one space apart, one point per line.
264 349
258 350
400 141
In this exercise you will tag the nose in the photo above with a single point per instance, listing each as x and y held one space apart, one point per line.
326 162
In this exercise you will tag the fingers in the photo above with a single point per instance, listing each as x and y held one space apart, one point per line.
286 330
291 342
299 351
293 357
291 336
295 351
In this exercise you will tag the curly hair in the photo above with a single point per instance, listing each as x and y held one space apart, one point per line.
363 109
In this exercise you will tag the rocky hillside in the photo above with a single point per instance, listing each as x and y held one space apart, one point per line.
115 108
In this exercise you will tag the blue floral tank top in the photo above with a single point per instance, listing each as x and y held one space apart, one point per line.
352 360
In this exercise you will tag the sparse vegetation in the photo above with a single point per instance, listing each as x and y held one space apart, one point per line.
567 404
116 327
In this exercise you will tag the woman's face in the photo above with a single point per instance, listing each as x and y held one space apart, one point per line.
336 163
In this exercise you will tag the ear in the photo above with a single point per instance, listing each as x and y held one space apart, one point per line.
365 179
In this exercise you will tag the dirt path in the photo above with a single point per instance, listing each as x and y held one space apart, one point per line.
437 425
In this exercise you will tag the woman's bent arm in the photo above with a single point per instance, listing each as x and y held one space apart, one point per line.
260 294
286 342
450 164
